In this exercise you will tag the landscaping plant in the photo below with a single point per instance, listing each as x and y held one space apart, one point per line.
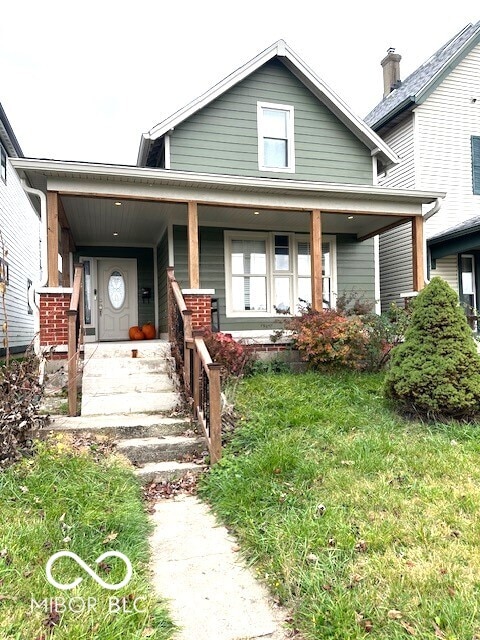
351 336
20 395
225 350
435 372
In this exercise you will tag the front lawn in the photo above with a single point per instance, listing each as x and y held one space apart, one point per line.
65 499
361 522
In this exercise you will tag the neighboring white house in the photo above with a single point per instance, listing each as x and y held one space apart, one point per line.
20 230
432 121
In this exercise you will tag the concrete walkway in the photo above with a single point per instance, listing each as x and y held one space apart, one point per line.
211 593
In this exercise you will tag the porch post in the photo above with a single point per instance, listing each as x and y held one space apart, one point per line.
418 253
316 259
193 253
65 258
52 238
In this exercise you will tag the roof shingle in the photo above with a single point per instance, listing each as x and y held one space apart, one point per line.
418 81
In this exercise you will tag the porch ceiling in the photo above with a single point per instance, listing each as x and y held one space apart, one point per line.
99 221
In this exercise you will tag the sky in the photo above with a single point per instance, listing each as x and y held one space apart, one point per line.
83 80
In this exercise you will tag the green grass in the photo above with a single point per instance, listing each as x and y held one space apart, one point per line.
397 549
60 499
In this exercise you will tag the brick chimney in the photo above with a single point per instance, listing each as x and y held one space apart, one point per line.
391 71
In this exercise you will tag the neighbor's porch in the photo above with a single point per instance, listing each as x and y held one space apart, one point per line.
454 255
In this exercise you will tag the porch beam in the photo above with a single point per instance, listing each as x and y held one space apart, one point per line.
193 252
316 259
387 227
418 253
52 238
364 204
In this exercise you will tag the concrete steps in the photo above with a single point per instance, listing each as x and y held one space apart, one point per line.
162 449
132 400
136 425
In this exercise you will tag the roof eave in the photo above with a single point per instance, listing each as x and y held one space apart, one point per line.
11 142
408 103
219 180
449 65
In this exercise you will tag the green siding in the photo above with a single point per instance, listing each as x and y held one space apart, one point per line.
222 137
162 264
355 271
146 310
356 267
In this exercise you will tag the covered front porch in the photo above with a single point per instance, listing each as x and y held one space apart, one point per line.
253 246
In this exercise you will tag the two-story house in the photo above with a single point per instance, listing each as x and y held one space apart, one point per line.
260 192
432 121
19 249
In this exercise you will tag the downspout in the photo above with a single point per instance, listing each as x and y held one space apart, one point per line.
33 298
435 209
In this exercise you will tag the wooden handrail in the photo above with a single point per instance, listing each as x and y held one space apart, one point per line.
77 285
176 290
203 353
74 337
197 368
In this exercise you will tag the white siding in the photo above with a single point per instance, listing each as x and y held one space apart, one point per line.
396 245
447 268
20 226
445 123
435 147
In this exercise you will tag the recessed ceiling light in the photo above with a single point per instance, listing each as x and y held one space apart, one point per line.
256 213
118 204
350 218
115 233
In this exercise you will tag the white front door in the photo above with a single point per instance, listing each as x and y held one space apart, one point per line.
117 299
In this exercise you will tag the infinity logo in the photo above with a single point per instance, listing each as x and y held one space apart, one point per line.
87 569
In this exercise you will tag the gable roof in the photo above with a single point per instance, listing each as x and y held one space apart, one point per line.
419 85
7 137
289 58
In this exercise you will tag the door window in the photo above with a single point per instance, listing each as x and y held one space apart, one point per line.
116 290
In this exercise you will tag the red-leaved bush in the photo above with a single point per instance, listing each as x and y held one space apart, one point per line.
328 338
225 350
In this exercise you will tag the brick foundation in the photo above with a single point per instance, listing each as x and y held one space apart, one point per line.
53 318
199 302
268 348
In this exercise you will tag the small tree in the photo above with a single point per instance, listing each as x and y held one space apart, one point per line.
435 372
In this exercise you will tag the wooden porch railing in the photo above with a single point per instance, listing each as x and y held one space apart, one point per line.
75 337
199 375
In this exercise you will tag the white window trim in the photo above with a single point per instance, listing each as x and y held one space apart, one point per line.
269 238
290 137
244 235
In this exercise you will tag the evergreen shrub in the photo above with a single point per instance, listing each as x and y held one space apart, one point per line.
435 372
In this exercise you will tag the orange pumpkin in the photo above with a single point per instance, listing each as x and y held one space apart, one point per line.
149 331
131 331
135 333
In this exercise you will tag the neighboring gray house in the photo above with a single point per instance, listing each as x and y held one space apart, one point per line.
20 229
432 121
260 192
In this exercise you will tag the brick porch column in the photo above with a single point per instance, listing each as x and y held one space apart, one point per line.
199 302
54 304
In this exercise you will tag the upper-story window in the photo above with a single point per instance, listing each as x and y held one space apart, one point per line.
3 163
476 164
276 149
